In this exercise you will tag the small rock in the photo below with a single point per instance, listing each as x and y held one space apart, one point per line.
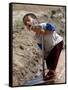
21 47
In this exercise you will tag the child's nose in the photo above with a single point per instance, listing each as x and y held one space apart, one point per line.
29 23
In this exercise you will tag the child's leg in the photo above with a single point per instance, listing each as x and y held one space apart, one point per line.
52 60
53 57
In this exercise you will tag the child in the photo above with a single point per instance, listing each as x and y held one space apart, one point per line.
52 41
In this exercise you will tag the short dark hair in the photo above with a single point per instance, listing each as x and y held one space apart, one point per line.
29 14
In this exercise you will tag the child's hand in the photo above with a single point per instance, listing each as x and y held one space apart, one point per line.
35 27
38 30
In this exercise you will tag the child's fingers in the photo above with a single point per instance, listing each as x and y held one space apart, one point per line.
33 27
36 27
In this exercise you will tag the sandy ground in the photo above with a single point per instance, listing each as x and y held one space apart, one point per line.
27 58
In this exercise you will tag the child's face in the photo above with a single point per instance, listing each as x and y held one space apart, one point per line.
28 21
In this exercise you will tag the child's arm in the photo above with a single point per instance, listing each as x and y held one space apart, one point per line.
39 30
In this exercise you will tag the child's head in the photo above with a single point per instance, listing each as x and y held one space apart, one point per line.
29 19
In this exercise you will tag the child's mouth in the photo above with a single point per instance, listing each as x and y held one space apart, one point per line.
29 26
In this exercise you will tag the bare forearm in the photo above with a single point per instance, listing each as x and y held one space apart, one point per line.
38 30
